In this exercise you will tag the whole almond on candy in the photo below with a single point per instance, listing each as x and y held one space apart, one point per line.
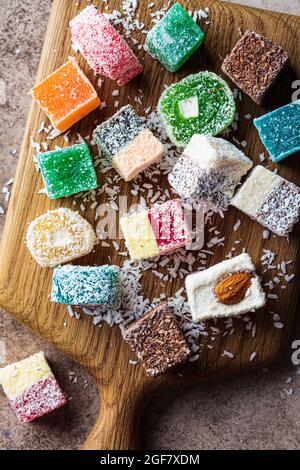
232 289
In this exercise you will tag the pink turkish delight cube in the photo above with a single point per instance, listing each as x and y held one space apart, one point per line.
38 400
31 388
170 226
102 46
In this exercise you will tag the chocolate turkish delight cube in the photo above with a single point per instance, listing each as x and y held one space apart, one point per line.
254 64
158 341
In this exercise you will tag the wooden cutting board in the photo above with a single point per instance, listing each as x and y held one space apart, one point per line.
25 287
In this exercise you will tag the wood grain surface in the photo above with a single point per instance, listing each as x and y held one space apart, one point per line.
25 287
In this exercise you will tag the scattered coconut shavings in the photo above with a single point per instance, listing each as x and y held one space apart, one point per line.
287 392
158 15
134 304
133 363
262 157
227 354
268 258
237 225
266 234
272 296
199 15
252 356
6 190
194 358
53 134
148 190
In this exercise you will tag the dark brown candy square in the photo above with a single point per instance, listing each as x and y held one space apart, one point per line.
158 341
254 64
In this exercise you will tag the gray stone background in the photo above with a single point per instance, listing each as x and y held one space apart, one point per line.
258 410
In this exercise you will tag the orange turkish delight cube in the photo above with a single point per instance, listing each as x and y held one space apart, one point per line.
66 96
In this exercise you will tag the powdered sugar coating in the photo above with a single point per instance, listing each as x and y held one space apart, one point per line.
17 377
255 190
38 400
104 49
86 285
143 151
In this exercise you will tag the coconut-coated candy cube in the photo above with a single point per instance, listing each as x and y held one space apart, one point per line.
209 171
279 131
86 285
201 103
170 226
269 199
102 46
229 288
127 144
158 341
162 229
31 388
254 64
66 96
59 236
67 171
174 38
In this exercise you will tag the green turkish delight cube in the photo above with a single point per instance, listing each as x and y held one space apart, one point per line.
67 171
174 38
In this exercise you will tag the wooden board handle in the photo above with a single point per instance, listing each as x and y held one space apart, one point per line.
117 425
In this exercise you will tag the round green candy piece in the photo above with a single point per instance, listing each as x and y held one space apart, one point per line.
199 104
